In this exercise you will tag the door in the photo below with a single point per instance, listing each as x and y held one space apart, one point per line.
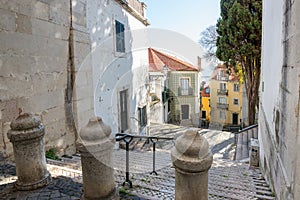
185 111
235 119
204 114
124 110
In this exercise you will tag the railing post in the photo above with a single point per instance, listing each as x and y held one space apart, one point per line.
27 134
127 180
192 159
154 144
96 148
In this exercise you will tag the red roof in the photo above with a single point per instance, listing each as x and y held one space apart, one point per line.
157 60
203 92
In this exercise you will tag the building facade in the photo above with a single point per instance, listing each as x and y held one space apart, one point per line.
226 98
205 106
119 72
181 101
279 98
47 67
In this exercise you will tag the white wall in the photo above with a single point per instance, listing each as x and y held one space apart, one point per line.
279 104
272 58
112 71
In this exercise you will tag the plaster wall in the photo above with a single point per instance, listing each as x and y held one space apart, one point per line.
279 104
114 71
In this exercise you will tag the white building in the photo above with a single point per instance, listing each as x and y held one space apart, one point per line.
119 72
279 98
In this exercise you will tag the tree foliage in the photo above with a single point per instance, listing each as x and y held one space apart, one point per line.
239 44
208 41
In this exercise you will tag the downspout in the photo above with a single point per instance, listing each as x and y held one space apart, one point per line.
69 107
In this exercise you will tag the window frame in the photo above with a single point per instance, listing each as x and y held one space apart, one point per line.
235 100
223 86
236 87
119 37
222 102
184 91
222 114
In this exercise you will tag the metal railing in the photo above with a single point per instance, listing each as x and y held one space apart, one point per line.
247 128
222 106
127 138
222 92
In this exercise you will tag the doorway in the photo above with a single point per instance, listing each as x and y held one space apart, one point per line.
185 111
124 110
235 119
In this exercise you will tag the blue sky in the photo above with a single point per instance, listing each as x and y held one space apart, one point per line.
188 17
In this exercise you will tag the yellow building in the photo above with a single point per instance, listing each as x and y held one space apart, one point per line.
205 106
225 99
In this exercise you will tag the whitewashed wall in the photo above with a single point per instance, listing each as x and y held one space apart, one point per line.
279 104
113 72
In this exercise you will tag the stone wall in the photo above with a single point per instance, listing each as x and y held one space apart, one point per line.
36 72
279 104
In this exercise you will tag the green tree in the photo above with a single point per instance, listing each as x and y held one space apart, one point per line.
239 44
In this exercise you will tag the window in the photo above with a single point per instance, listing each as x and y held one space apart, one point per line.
120 39
222 86
207 91
220 74
235 101
236 87
222 114
222 100
184 86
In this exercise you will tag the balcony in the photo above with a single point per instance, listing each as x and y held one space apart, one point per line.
223 106
186 91
222 92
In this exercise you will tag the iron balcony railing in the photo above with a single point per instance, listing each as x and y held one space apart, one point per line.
127 138
223 106
222 92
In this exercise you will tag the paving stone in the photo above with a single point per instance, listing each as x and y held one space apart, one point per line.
227 179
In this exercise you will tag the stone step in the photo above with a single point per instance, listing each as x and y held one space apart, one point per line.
264 197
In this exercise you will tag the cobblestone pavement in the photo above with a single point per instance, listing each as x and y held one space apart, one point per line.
227 179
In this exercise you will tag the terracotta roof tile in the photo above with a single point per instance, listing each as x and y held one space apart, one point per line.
157 60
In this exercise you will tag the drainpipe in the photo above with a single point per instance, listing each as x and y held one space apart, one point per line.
69 106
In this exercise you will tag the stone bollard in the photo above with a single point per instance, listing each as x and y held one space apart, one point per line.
96 149
192 159
26 135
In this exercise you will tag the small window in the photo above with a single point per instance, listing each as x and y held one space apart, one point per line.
120 38
236 101
222 114
236 87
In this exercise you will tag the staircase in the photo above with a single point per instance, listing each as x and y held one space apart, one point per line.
228 179
243 141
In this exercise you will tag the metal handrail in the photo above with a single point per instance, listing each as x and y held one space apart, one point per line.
127 138
247 128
